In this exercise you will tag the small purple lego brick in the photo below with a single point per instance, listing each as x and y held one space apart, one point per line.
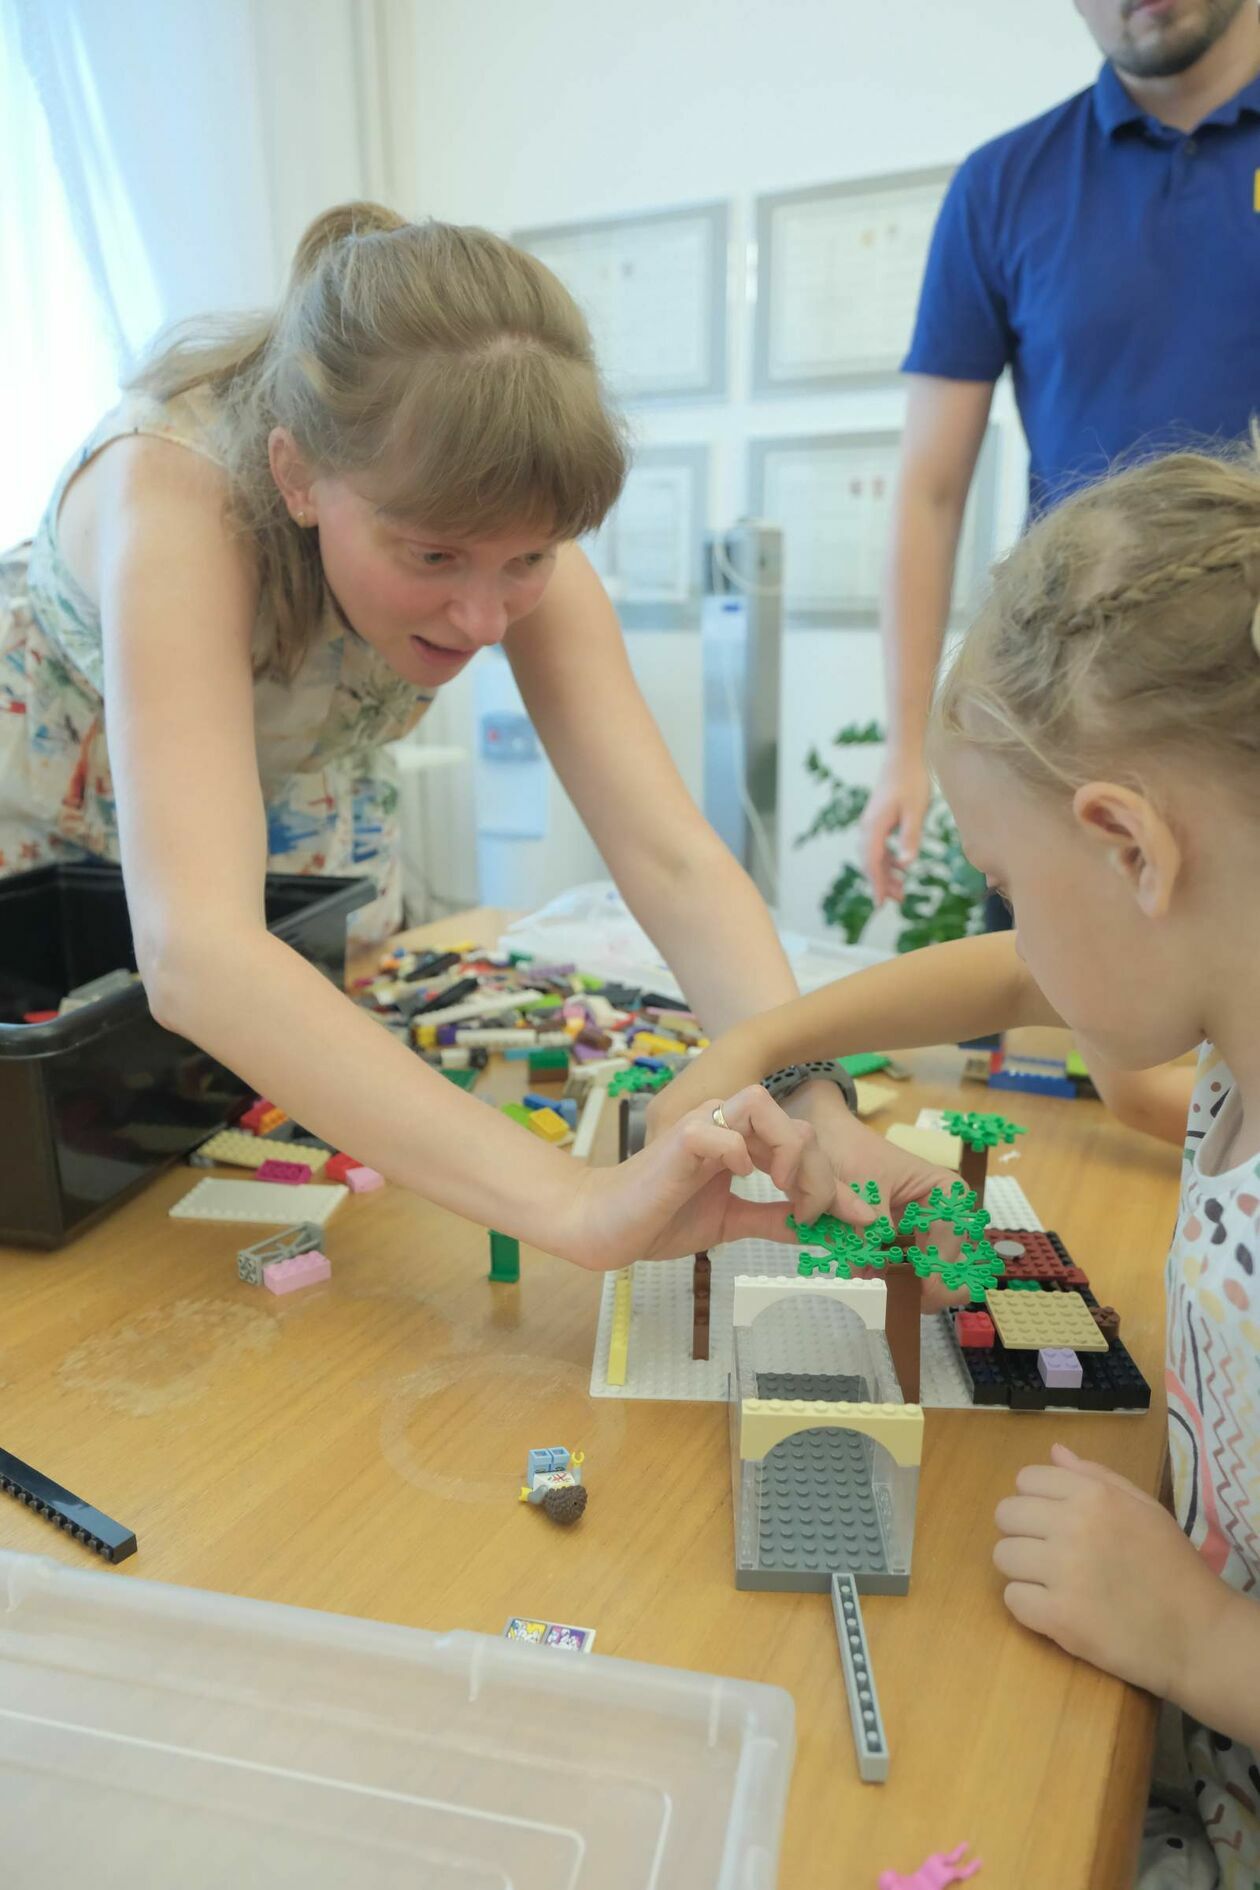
587 1053
305 1269
363 1180
294 1174
446 1034
1059 1367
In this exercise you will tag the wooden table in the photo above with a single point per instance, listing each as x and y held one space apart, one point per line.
359 1448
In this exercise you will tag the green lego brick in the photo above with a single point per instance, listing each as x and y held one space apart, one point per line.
556 1058
518 1113
863 1063
505 1258
464 1078
1074 1064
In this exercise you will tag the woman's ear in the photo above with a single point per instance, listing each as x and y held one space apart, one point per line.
292 475
1139 844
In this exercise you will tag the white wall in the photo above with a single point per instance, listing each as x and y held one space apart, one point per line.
555 112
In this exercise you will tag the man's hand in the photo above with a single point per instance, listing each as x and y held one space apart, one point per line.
898 805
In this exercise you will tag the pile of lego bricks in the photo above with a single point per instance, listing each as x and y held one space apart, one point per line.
1032 1076
1057 1348
456 1008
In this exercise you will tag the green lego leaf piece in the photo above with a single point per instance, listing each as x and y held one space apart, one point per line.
868 1191
630 1082
980 1130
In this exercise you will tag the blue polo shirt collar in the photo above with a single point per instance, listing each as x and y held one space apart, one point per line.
1116 110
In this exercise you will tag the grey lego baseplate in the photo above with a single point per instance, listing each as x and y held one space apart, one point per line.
812 1510
660 1364
825 1387
859 1681
267 1202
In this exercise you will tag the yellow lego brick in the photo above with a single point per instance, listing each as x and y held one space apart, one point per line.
647 1045
765 1422
1026 1322
237 1148
930 1145
619 1337
872 1097
549 1125
425 1036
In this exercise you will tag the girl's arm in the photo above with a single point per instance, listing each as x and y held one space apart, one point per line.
694 900
941 994
177 600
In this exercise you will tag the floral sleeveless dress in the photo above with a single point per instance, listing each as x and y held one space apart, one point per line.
328 783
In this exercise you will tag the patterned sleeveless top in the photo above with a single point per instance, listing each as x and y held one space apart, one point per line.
328 785
1212 1380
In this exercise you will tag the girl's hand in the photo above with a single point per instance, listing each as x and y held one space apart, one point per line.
1101 1568
674 1198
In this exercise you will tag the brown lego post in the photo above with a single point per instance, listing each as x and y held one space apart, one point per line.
901 1324
701 1290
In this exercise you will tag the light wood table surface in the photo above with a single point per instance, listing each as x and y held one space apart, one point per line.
359 1447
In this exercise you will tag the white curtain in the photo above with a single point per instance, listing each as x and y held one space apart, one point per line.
162 157
57 361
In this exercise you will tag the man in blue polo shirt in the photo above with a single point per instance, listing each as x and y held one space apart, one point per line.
1108 253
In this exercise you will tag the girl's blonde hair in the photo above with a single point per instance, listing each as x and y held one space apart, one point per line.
1124 625
450 368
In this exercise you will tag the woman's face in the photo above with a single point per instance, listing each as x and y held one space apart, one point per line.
425 601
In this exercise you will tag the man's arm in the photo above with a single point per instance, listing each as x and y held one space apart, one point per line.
944 430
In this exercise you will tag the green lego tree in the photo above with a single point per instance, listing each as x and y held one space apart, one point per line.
979 1132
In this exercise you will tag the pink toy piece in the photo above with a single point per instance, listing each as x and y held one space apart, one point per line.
292 1173
305 1269
338 1166
934 1873
363 1180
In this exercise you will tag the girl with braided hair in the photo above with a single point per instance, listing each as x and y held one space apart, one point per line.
1098 740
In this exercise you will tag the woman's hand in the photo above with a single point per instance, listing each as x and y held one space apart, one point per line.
858 1154
674 1198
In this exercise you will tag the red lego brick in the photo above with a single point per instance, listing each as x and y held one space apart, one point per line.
975 1329
337 1167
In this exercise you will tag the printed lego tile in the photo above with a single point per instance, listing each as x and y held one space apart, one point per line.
570 1640
1028 1321
263 1201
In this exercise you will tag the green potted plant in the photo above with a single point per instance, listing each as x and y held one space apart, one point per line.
944 895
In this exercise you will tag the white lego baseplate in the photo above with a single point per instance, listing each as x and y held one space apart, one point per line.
272 1203
660 1364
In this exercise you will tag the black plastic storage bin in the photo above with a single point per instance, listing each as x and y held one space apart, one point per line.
94 1104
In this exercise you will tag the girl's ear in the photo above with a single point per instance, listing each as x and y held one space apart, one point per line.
292 475
1139 844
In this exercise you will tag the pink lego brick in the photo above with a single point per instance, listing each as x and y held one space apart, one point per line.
294 1173
305 1269
363 1180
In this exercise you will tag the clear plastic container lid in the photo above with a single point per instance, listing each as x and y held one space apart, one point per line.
152 1736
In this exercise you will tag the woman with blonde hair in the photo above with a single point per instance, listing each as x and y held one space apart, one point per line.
256 573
